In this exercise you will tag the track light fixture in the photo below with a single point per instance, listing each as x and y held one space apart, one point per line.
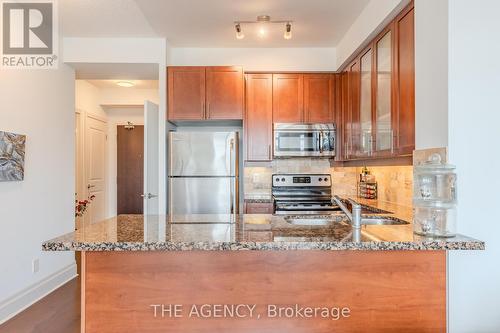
288 31
239 34
263 20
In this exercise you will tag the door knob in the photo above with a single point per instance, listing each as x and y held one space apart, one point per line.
148 196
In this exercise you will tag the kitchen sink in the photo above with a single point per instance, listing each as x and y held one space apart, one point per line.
382 220
312 221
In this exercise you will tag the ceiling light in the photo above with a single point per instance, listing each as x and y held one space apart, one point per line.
239 33
126 84
288 31
262 29
262 32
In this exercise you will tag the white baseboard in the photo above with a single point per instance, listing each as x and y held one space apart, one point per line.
23 299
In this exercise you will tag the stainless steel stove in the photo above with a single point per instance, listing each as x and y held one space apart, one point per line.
302 194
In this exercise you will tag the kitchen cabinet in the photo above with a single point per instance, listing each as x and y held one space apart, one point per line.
205 93
353 120
364 137
338 114
405 81
385 108
379 118
288 103
258 208
186 93
259 117
318 98
225 89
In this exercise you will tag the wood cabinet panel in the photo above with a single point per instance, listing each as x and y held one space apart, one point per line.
345 118
338 113
318 98
224 86
288 93
259 117
258 208
186 93
405 81
386 291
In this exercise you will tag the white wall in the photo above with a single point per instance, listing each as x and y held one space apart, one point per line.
374 17
474 118
431 73
257 59
87 98
40 104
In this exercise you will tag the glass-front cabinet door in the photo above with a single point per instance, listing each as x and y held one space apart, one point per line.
365 108
384 131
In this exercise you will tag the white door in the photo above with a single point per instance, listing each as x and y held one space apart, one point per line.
151 158
95 168
80 190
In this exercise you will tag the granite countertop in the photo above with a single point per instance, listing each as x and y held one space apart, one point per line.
252 232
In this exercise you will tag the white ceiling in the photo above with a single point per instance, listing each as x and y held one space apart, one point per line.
113 71
138 84
209 23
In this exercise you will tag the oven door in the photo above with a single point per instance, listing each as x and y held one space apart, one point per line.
304 207
315 140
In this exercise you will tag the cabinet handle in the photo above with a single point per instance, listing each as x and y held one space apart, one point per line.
208 110
371 144
269 152
203 110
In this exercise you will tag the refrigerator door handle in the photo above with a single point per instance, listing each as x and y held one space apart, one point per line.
231 148
233 192
231 196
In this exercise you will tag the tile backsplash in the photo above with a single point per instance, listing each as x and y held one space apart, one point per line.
395 183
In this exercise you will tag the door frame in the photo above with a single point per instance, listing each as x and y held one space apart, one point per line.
79 159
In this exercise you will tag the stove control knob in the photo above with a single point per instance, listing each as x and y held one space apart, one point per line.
282 179
277 179
326 179
320 179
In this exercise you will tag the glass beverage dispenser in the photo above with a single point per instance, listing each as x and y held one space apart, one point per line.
434 198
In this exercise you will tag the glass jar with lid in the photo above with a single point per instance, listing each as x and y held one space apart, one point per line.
434 198
435 181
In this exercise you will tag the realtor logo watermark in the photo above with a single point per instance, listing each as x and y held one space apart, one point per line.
29 34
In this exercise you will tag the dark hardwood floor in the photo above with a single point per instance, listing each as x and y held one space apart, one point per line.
58 312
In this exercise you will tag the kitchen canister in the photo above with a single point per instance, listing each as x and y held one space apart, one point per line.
434 198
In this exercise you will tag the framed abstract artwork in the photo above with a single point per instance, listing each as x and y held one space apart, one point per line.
12 148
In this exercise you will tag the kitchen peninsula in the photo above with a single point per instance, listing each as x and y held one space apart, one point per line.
135 264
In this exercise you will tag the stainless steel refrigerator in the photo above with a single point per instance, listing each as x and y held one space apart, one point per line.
203 173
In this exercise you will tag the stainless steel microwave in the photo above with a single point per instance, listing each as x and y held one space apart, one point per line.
304 140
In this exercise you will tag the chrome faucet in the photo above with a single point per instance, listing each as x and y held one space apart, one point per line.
355 215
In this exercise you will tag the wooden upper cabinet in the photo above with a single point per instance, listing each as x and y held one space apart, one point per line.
224 86
344 131
186 93
318 98
259 117
379 118
384 94
288 93
198 93
405 81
